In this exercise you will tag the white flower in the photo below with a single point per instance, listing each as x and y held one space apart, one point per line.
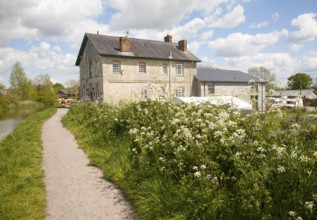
309 205
260 149
303 158
203 167
281 169
197 174
209 176
291 213
315 153
195 168
299 218
161 159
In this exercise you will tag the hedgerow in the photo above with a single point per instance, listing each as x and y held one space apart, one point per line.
220 163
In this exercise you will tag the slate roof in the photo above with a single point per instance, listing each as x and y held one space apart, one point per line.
140 48
308 93
217 75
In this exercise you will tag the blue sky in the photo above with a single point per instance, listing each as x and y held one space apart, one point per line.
45 35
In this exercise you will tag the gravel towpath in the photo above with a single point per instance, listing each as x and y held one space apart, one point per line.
75 190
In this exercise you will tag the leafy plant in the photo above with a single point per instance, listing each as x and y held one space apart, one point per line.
214 162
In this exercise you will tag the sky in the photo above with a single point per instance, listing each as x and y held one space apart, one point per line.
45 35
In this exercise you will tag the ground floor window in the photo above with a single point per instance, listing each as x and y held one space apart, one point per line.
180 92
210 88
144 94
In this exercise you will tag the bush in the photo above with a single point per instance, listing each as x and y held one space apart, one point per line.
213 160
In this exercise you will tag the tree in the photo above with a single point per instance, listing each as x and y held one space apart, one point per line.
299 81
44 89
20 83
57 87
265 75
73 86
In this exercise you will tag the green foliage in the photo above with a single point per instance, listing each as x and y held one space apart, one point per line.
57 87
44 90
20 83
22 191
4 100
299 81
182 161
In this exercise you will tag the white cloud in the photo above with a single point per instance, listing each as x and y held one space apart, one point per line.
160 14
207 34
39 59
259 25
46 19
229 20
309 61
275 16
282 64
296 47
194 46
186 31
189 30
307 25
238 44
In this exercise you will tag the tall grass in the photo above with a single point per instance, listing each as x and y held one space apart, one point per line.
22 190
177 161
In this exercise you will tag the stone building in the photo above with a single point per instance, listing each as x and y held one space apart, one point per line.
122 68
116 68
217 82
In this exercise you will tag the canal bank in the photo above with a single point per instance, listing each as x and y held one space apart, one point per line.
10 120
22 191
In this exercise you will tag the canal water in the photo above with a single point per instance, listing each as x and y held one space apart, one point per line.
10 121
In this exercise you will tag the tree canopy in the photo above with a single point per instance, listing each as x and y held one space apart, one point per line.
20 82
264 74
299 81
44 89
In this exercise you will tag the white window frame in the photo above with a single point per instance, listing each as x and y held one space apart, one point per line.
116 67
142 67
180 92
144 94
179 70
164 69
210 87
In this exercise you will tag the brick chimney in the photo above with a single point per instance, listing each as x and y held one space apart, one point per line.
182 45
125 44
168 38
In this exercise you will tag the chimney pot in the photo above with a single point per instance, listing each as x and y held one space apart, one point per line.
125 44
168 38
182 45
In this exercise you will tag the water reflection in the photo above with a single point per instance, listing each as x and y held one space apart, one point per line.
9 121
8 125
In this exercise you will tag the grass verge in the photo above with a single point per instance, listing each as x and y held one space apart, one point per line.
22 191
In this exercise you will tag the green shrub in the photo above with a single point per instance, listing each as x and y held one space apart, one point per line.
208 162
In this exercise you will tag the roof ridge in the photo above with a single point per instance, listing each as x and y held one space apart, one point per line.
134 38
